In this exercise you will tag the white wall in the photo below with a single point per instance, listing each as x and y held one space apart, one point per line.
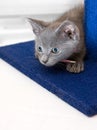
13 26
28 7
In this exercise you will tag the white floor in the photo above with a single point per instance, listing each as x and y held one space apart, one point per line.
25 105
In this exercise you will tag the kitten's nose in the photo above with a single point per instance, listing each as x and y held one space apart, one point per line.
44 58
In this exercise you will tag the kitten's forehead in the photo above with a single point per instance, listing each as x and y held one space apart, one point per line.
48 36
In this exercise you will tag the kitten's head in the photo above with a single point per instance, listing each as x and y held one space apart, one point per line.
54 41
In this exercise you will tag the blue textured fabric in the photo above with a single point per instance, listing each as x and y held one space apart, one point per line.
79 90
91 27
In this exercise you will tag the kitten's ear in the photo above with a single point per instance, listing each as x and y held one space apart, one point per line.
37 25
68 29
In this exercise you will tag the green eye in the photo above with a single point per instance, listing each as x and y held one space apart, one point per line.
55 50
40 49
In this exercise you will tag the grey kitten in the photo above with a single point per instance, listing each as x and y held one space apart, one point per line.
61 39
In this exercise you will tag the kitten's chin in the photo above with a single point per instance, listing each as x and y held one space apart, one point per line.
49 65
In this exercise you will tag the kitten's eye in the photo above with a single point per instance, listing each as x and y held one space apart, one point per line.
40 49
55 50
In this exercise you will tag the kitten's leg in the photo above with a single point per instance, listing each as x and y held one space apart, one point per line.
79 65
76 67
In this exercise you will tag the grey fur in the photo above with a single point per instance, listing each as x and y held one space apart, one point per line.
61 39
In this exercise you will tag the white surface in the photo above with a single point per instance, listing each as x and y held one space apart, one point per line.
25 105
14 30
27 7
13 14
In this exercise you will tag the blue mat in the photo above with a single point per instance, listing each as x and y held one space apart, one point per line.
79 90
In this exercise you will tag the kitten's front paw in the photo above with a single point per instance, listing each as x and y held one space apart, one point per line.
75 68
